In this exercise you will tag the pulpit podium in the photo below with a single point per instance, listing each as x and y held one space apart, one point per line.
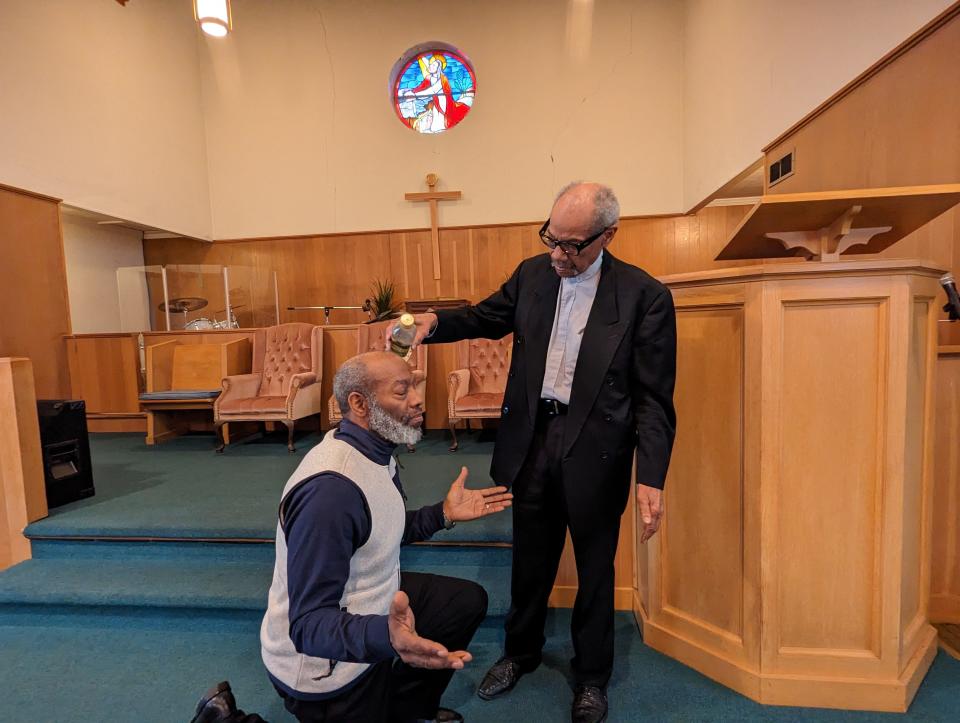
793 561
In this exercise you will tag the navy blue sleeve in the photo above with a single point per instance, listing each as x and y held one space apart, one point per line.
324 521
423 523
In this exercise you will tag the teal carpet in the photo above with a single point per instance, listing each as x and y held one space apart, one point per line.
129 630
183 489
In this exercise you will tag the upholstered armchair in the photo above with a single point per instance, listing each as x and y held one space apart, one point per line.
476 388
370 338
284 385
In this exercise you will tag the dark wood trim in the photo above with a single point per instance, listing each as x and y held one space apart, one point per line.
918 37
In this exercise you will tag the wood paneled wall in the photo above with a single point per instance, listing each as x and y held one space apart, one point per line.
34 307
945 540
339 269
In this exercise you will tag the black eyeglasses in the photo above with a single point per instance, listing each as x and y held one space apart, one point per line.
570 248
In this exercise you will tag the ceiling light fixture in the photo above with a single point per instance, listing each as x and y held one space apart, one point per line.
214 16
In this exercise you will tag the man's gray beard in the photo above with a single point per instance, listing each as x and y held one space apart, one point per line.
391 428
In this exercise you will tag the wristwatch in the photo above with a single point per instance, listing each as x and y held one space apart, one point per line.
448 524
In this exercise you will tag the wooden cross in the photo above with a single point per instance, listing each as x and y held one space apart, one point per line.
434 197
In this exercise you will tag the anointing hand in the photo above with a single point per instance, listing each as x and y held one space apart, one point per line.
414 650
650 504
463 504
423 323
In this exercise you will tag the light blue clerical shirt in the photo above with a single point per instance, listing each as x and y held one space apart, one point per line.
573 309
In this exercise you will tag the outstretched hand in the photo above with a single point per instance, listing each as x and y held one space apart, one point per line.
464 504
414 650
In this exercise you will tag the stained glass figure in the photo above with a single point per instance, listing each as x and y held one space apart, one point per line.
434 91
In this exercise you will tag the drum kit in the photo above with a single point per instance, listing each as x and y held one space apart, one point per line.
195 303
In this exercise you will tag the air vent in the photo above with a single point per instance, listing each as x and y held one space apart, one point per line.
781 169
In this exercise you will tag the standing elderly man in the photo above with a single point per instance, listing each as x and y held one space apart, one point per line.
590 388
340 611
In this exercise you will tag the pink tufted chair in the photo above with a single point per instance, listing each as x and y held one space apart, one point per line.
284 385
476 389
370 338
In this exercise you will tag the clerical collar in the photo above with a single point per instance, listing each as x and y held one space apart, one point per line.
370 444
589 272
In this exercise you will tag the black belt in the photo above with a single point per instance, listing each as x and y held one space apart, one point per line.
552 408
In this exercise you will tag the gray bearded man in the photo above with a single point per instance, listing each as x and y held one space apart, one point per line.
347 636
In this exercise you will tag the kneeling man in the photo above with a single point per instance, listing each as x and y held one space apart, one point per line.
340 612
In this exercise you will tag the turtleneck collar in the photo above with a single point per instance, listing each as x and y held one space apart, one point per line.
370 444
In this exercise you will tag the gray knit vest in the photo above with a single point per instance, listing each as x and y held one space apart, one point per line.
374 569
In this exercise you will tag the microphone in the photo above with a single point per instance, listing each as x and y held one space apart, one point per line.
952 307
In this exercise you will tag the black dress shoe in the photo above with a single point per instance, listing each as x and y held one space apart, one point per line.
589 704
501 677
217 704
444 715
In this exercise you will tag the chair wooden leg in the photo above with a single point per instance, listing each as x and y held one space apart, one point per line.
290 424
453 430
221 442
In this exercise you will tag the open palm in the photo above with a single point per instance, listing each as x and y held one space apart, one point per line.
464 504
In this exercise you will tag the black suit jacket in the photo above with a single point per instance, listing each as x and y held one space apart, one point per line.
622 394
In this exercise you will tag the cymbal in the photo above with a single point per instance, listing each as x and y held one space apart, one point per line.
188 303
232 307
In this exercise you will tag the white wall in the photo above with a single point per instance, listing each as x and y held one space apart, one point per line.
755 67
286 127
100 106
92 255
302 137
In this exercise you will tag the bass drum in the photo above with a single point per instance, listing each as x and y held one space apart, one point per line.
201 324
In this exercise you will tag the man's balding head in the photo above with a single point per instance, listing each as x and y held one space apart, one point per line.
376 391
580 211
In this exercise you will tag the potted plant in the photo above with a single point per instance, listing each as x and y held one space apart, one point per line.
383 304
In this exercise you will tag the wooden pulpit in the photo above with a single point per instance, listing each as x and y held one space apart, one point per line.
793 561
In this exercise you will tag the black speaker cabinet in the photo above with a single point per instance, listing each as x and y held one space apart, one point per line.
66 450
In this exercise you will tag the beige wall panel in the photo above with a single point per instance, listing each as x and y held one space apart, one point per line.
842 370
914 594
339 344
945 537
702 532
23 496
104 372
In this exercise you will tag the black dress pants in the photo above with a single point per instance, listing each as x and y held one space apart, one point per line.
446 610
541 517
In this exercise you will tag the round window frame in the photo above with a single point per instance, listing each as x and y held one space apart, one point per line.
396 73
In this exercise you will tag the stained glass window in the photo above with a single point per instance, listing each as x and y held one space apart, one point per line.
433 89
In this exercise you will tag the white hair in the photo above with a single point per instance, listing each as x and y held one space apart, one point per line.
352 376
606 207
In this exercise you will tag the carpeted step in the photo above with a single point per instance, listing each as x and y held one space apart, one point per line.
58 584
202 575
173 550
